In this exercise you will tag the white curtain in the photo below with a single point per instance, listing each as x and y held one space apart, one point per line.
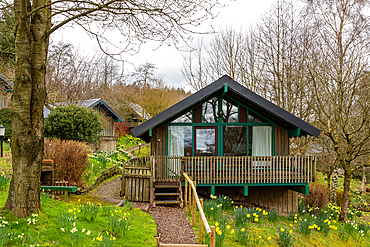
176 136
262 141
176 140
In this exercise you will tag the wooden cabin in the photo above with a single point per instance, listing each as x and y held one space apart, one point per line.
107 142
231 141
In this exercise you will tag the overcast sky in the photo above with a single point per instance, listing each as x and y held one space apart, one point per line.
238 14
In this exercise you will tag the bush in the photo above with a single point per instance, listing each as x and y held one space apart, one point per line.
70 159
318 196
5 120
73 122
121 129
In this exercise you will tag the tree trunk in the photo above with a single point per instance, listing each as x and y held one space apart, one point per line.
346 185
334 186
363 181
31 43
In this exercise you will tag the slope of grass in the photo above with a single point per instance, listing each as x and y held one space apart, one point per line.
45 230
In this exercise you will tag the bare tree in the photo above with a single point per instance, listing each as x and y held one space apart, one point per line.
72 76
230 53
337 73
35 21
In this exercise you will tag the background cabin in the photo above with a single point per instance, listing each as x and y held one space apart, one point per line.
6 87
231 141
107 142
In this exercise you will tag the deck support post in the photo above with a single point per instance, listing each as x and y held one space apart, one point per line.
213 190
244 190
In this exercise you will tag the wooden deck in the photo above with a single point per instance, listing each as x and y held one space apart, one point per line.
234 170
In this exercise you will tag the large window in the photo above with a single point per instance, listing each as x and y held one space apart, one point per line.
235 140
180 140
205 141
220 126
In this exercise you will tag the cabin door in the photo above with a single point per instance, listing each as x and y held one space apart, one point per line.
205 141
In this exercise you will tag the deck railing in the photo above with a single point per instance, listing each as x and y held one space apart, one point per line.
237 169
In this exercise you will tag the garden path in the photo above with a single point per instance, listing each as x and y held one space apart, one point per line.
173 227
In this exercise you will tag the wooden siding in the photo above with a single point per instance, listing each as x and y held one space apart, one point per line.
158 141
278 198
281 141
108 127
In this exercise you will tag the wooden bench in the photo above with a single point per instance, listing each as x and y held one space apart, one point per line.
66 189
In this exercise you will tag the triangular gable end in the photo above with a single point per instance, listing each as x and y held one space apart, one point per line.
227 86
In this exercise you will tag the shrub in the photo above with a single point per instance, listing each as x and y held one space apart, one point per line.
73 123
70 159
5 121
121 129
318 196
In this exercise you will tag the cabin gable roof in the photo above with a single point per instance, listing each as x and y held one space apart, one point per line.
92 103
235 91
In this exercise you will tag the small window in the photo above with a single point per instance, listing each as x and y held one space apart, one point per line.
229 111
255 118
209 111
185 118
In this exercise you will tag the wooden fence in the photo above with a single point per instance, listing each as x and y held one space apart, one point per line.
137 180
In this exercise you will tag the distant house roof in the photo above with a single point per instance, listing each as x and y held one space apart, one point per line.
236 91
91 103
5 83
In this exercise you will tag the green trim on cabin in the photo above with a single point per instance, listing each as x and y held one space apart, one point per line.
257 184
294 132
151 132
9 90
225 90
213 190
304 189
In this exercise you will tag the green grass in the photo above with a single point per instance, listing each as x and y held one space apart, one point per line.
269 232
46 231
129 141
144 151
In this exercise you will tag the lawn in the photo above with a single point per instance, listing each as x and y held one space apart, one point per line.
238 226
68 224
26 232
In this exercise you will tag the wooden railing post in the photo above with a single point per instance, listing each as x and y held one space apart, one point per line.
212 240
193 206
123 187
189 199
186 193
201 224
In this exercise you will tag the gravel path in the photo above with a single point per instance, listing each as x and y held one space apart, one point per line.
172 225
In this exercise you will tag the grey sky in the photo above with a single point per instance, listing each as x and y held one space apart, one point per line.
238 14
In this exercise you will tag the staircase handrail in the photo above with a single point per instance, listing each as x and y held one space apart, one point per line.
204 219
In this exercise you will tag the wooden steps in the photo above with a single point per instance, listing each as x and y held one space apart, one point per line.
167 194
